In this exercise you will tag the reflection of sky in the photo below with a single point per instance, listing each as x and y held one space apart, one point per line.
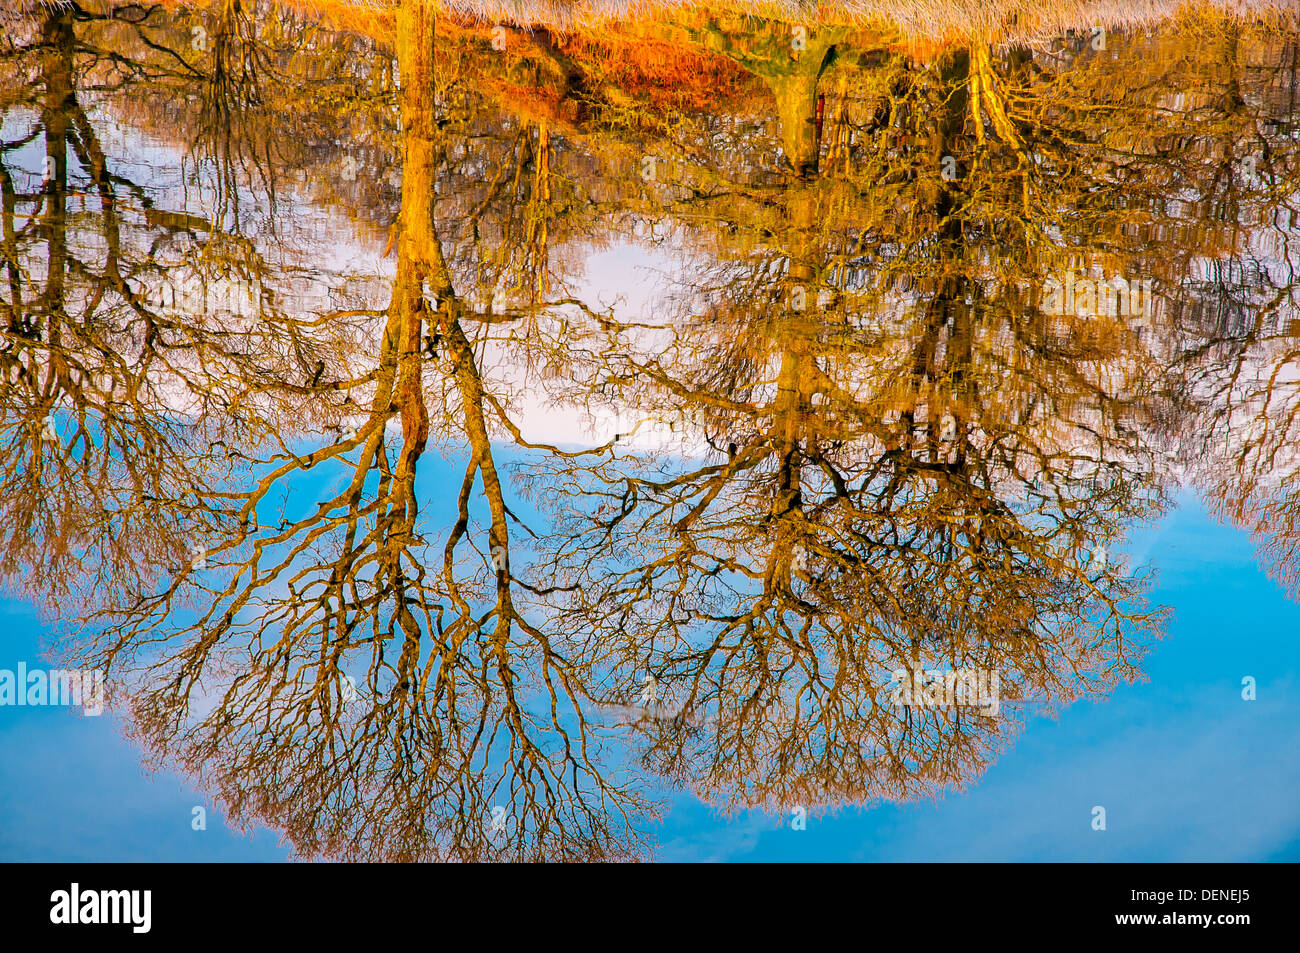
1185 769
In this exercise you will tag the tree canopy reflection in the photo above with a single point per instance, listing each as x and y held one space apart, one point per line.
274 297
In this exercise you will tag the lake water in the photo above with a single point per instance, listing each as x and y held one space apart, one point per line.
691 436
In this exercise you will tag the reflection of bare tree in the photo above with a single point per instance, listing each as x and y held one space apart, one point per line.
93 370
890 457
1250 477
464 736
836 540
921 466
1238 369
1232 341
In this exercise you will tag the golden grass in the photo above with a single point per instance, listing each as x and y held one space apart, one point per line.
915 22
1002 20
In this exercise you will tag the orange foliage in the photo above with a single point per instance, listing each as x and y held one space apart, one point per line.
661 74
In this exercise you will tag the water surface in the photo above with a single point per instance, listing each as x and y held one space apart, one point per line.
459 438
